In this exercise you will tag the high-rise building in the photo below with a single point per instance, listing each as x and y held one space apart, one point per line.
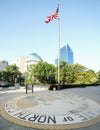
3 64
66 54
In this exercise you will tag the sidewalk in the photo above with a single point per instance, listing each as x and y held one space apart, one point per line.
21 89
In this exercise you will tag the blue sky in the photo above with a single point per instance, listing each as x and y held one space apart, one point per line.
23 30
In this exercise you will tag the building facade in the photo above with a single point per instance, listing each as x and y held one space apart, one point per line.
24 62
33 58
20 62
66 54
3 64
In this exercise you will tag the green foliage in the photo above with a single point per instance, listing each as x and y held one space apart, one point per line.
76 74
42 72
69 73
86 77
98 77
62 72
11 74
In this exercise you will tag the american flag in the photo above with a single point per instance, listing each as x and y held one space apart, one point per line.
54 15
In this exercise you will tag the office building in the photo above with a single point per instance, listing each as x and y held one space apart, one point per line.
3 64
66 54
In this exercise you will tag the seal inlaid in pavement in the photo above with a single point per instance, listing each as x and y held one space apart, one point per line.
52 109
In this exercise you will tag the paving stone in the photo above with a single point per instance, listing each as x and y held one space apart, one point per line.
85 95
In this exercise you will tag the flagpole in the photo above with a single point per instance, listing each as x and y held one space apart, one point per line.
54 15
58 50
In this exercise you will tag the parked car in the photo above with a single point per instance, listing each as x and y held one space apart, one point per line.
4 85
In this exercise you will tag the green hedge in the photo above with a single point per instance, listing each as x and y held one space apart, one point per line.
65 86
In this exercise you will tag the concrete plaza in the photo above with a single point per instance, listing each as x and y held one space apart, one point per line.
92 93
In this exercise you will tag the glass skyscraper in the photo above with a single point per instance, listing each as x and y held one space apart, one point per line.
66 54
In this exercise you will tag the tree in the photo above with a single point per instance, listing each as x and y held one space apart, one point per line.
63 70
70 75
43 72
90 77
12 74
78 70
1 73
98 77
86 76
